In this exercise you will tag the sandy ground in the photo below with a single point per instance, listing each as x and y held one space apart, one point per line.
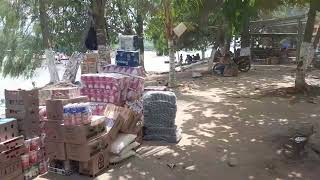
228 133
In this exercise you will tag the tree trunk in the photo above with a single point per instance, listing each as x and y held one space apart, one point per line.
140 34
316 39
245 36
203 54
169 35
211 59
172 71
100 22
54 77
44 24
306 50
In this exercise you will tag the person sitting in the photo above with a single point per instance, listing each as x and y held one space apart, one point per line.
189 59
197 57
223 62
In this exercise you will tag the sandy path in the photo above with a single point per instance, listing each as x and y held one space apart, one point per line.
219 122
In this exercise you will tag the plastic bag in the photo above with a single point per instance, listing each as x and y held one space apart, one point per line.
129 148
121 142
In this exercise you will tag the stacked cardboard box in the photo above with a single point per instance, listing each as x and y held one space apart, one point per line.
33 160
24 106
90 64
11 148
105 88
53 126
128 54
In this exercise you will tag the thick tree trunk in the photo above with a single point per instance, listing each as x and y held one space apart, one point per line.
316 39
306 50
100 22
54 77
203 54
170 35
245 36
140 34
211 59
44 24
172 71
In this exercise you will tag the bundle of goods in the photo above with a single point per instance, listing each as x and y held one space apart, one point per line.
105 88
33 161
77 114
156 88
24 106
90 63
11 148
89 145
63 111
159 116
123 147
127 58
129 42
128 55
111 68
61 90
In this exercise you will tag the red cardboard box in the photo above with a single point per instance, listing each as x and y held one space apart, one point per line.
85 152
96 164
11 170
54 131
55 150
54 107
82 134
11 143
8 129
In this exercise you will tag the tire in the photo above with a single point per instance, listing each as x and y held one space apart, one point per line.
214 67
244 66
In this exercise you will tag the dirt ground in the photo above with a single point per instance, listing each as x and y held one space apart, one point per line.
229 133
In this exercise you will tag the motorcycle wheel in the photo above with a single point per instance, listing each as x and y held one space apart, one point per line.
244 66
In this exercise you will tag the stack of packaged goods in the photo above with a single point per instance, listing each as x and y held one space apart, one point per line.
159 116
90 63
24 106
102 89
11 148
66 106
128 54
136 71
88 143
33 160
123 131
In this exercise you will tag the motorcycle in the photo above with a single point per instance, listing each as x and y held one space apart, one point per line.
243 62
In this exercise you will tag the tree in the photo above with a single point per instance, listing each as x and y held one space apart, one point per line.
307 48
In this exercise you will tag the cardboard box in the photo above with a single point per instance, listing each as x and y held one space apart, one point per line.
55 150
114 119
10 155
96 164
82 134
8 129
16 98
11 143
54 131
65 93
11 170
25 113
85 152
30 133
91 57
55 107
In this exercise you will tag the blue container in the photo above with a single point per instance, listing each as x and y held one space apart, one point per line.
127 58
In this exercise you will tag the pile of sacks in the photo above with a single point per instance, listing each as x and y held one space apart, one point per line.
159 117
